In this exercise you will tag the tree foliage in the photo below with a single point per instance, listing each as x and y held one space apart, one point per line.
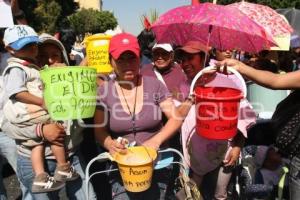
47 15
275 4
92 21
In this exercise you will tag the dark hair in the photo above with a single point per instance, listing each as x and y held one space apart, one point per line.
67 36
285 60
2 48
146 41
265 64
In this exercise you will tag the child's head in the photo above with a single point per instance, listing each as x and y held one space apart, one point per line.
51 51
21 41
267 157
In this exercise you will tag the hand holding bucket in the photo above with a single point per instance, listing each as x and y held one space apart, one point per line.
217 105
136 167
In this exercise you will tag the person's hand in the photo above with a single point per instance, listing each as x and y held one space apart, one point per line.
233 63
232 157
54 133
115 146
152 143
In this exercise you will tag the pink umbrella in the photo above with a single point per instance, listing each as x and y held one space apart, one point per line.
265 16
217 25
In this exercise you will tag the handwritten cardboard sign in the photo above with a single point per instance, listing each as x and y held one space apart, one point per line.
70 92
5 15
97 52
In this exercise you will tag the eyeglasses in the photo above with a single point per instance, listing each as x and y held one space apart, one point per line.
161 54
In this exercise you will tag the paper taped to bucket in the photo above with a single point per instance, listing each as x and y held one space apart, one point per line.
136 167
217 105
97 52
69 92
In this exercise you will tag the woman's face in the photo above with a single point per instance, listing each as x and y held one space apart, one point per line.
49 54
162 58
191 64
126 66
222 55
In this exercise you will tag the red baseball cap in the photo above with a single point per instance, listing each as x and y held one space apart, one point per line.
123 42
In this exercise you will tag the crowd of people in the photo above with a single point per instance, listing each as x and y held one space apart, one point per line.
146 102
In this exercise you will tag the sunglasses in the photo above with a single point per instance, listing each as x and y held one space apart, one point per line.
161 54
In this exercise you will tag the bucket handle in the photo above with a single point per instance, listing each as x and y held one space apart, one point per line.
232 70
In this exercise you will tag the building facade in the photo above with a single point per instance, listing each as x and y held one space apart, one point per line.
94 4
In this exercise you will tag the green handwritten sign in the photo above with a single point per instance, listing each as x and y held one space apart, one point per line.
69 92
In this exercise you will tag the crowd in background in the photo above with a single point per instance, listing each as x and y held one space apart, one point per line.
141 66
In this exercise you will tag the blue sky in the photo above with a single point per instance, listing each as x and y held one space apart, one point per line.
128 12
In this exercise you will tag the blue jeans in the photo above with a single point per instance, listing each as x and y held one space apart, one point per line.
8 150
74 189
294 178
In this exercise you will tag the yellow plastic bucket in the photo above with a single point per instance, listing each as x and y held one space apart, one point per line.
69 92
136 168
97 52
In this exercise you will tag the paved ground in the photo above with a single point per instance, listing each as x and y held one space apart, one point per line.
11 184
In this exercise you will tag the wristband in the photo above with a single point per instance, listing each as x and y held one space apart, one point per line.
39 131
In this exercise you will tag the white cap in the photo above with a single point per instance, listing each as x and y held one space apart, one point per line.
165 46
19 35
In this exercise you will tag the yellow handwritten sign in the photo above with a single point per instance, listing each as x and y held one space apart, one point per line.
69 92
283 43
97 52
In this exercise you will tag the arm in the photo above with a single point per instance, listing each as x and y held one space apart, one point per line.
26 97
102 136
15 87
185 107
50 132
265 78
173 124
234 153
